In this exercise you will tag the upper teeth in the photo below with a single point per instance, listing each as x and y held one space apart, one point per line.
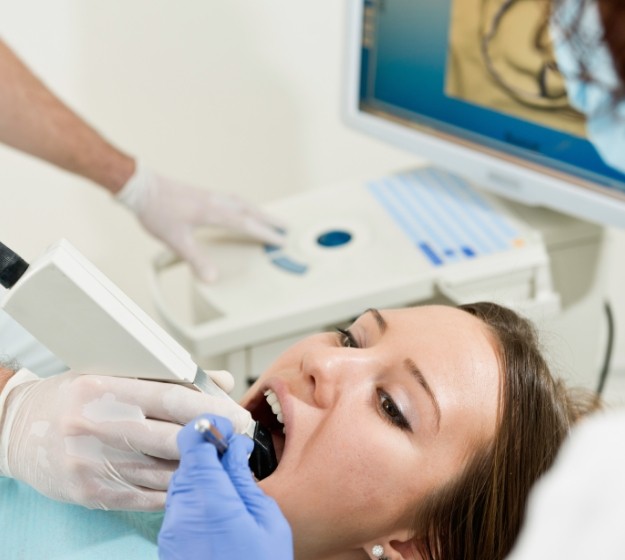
274 403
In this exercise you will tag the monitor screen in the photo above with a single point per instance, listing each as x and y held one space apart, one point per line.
472 85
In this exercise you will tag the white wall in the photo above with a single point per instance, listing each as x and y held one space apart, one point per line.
237 95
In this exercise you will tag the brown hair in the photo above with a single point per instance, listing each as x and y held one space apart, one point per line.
613 18
612 13
478 515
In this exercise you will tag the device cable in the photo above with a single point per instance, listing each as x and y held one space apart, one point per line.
608 351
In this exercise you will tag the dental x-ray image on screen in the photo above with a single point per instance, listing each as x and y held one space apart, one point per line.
473 86
511 66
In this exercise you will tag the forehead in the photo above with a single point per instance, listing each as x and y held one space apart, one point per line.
440 322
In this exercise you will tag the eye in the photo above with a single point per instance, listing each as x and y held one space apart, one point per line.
391 411
347 339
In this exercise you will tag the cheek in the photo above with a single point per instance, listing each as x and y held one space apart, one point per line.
284 366
289 361
341 476
326 459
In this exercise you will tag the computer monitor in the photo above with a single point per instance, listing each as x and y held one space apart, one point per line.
471 86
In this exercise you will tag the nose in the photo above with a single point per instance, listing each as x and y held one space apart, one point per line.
330 371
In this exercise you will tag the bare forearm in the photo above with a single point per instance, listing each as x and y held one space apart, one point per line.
35 121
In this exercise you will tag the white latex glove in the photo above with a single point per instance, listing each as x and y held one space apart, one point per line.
101 442
577 509
172 211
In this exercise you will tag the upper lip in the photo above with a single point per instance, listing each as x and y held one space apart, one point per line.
278 387
281 391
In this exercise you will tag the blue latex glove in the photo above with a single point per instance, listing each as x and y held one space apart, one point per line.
215 508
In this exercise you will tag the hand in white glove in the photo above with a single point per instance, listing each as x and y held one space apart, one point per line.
171 211
101 442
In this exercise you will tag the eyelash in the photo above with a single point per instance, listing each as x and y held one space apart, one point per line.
347 339
395 417
390 413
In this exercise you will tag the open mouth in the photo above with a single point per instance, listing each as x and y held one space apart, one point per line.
267 411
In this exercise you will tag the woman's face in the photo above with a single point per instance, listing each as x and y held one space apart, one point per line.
374 420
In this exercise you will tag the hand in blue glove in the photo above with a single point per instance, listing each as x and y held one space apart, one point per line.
215 508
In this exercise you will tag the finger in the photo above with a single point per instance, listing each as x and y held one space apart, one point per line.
200 480
224 379
203 268
139 500
199 471
186 246
268 219
237 215
239 449
90 457
257 503
185 404
130 499
102 398
189 437
153 476
132 445
260 230
128 443
221 205
250 225
145 500
200 259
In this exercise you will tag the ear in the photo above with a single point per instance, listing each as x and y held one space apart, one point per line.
398 546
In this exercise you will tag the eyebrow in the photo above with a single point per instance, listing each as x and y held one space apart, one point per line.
378 319
412 368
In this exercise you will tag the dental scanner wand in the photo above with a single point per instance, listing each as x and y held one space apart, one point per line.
64 301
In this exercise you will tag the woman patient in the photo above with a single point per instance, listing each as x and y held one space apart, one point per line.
416 431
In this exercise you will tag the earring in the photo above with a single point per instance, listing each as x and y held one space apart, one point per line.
378 552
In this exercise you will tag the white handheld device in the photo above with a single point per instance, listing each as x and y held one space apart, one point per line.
94 328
